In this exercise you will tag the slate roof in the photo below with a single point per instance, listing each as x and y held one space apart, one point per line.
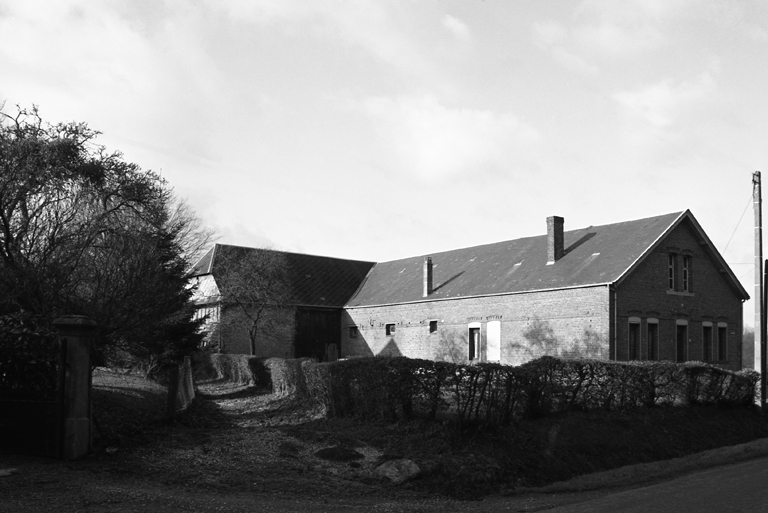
315 280
593 255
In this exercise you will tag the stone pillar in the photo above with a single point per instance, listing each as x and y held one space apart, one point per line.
75 332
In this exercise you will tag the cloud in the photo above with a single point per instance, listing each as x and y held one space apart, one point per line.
456 27
367 24
437 141
573 62
662 103
607 30
555 38
611 38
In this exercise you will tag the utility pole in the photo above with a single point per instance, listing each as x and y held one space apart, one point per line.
763 339
760 324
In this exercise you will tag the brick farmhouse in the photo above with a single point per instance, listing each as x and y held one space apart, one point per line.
648 289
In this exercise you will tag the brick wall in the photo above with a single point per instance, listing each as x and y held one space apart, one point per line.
645 295
566 323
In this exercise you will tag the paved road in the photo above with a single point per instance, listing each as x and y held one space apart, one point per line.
44 487
740 487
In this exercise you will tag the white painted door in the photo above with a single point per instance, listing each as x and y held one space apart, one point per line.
493 341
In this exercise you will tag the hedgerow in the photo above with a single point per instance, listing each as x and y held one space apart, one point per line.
497 395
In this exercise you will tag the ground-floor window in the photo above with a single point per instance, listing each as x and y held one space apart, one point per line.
634 338
653 339
474 342
706 340
682 340
722 339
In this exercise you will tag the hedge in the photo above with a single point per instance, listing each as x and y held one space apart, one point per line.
496 395
485 394
236 368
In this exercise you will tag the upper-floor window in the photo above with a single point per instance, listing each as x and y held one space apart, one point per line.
686 273
672 271
353 332
432 326
390 329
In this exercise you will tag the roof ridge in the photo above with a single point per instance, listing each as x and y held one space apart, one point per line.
295 253
676 214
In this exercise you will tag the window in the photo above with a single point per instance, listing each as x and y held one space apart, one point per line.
682 340
353 332
634 338
672 271
706 340
653 339
474 343
686 273
432 326
722 339
390 329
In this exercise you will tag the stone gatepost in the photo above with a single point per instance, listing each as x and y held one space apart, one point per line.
75 332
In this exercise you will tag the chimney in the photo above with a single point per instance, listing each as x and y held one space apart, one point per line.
555 242
427 276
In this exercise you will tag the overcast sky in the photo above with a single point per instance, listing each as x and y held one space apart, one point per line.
380 130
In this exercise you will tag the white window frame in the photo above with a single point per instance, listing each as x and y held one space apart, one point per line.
477 350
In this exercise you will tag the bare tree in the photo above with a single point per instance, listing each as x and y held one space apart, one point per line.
254 290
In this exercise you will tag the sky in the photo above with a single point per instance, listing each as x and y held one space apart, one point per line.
378 130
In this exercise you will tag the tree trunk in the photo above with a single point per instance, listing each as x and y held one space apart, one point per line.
252 336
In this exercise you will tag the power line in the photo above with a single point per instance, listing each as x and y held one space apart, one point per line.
737 224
